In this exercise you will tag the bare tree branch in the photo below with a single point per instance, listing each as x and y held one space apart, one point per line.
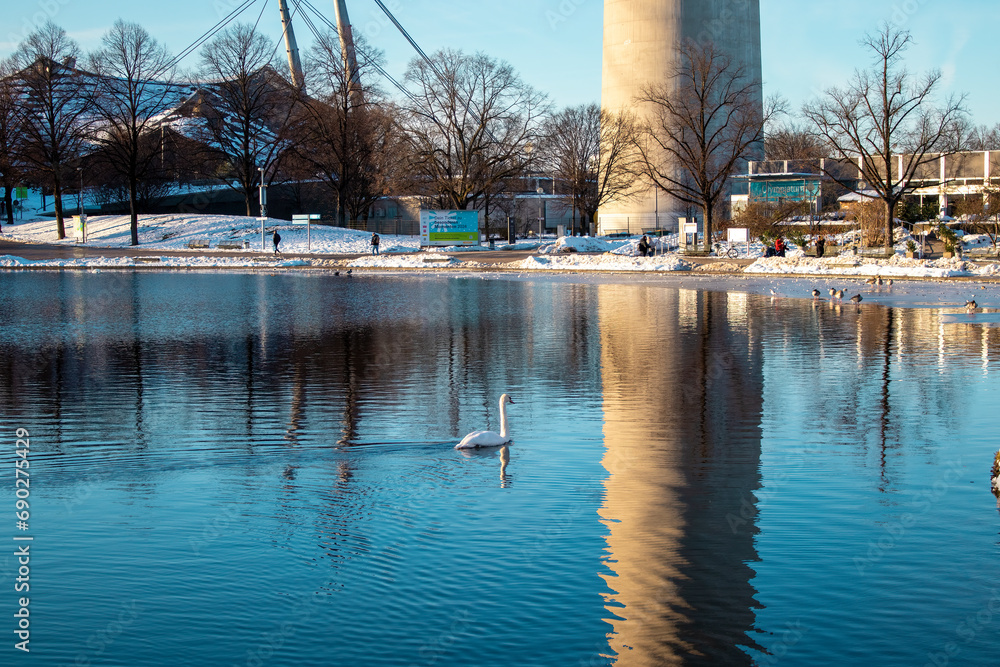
885 121
707 119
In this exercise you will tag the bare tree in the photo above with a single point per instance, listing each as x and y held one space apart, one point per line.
982 215
55 104
12 166
134 84
248 105
346 131
706 120
982 138
593 152
792 142
884 120
469 122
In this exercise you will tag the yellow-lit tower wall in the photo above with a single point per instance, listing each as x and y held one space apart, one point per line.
641 40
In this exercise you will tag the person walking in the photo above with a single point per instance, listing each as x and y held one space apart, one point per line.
820 246
276 239
643 245
375 242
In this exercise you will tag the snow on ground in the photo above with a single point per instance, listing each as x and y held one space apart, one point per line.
571 244
171 262
894 267
176 231
605 262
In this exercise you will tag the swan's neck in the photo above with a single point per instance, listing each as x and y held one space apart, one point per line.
503 420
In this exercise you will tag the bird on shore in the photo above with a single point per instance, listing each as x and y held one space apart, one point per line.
336 273
349 271
839 294
878 280
971 305
478 439
833 292
856 299
870 281
815 293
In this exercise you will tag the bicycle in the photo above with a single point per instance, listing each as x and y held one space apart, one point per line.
727 249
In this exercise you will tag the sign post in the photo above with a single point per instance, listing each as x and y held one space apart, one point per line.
739 235
306 220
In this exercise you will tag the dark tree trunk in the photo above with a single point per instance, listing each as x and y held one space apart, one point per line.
58 208
133 195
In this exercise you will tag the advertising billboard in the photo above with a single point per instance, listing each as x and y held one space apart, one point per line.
445 228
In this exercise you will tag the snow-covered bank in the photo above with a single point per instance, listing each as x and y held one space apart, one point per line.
605 262
194 262
894 267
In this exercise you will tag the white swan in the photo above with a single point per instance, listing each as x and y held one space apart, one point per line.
489 438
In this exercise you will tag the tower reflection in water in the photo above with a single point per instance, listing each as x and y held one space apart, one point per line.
682 384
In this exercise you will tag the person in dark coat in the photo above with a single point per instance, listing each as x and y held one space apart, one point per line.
375 242
820 246
643 245
276 239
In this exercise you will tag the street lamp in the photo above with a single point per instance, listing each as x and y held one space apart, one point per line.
263 208
541 214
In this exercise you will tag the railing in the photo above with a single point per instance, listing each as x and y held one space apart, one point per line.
382 226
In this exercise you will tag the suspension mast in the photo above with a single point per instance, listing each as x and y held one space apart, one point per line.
294 64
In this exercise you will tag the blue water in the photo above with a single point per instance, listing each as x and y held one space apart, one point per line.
246 469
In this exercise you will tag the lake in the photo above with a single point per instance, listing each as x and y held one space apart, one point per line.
250 469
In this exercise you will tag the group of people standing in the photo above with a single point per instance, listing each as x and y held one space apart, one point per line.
779 247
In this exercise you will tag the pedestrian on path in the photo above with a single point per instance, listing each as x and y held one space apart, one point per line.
276 239
375 241
820 246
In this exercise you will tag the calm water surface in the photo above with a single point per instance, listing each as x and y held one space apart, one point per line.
243 469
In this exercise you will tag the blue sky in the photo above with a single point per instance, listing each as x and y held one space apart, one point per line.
556 44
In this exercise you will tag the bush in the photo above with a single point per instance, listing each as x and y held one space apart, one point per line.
948 236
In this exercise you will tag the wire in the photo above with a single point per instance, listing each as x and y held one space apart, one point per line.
260 16
434 69
333 27
212 31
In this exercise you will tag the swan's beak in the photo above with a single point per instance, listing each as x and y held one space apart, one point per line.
510 400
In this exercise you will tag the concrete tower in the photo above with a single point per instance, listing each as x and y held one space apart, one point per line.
640 48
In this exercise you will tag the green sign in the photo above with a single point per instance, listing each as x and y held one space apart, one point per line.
21 192
778 191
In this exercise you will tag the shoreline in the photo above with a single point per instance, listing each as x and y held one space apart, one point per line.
944 293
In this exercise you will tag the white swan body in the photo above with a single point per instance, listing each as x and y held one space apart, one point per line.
489 438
